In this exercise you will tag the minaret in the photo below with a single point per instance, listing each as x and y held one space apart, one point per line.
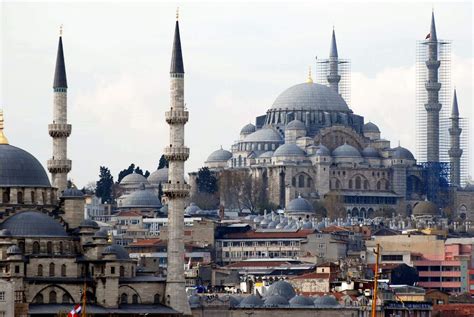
59 130
455 151
432 87
3 138
333 77
176 189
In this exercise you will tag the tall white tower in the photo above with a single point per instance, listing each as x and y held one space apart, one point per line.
59 166
176 189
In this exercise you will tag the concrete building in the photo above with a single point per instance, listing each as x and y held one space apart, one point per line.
7 299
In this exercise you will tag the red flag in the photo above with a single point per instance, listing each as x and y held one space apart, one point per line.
75 311
428 36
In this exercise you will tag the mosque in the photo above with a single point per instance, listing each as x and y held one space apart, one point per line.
310 144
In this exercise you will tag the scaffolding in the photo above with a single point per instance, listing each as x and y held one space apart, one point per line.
436 182
344 70
466 151
445 98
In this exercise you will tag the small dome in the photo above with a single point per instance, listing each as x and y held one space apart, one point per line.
88 223
264 135
425 208
267 154
289 150
307 225
133 179
251 301
281 288
346 150
272 225
275 301
370 152
295 125
5 233
194 301
13 250
192 209
299 301
72 193
142 198
33 224
310 96
118 250
323 151
20 169
299 205
247 129
326 301
370 127
219 156
158 176
402 153
102 234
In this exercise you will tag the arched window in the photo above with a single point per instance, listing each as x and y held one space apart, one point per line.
40 270
63 270
19 196
44 197
338 184
135 299
51 269
123 298
366 184
122 271
350 184
378 185
301 181
49 247
52 297
66 299
6 195
310 182
387 185
358 182
39 299
156 299
61 247
293 182
21 245
36 247
33 197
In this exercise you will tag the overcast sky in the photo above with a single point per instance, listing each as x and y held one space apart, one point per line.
238 57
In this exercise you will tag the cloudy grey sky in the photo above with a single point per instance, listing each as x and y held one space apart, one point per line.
238 58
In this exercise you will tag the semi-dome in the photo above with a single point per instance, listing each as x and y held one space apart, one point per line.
281 288
402 153
323 151
264 135
425 208
326 301
251 301
142 198
220 155
310 96
133 179
370 127
288 150
247 129
275 301
20 169
299 301
346 150
267 154
13 250
33 224
299 205
370 152
118 250
295 125
89 223
158 176
192 209
72 193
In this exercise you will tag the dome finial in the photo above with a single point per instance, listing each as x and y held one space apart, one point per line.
61 30
3 138
177 13
310 79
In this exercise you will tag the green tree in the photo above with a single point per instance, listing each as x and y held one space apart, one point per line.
163 162
206 181
125 172
104 185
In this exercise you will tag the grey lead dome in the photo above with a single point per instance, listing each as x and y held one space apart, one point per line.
299 205
346 150
264 135
310 96
33 224
219 156
370 127
289 150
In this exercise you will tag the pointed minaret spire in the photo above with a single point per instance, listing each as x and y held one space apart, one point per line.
177 66
455 151
60 80
455 110
3 138
433 37
333 49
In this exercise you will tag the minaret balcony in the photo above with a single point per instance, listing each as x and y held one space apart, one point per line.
432 86
176 153
333 78
433 106
432 64
59 166
176 190
177 116
455 131
59 130
455 152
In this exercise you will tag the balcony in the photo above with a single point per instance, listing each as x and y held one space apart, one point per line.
439 273
59 166
179 116
176 190
59 130
176 153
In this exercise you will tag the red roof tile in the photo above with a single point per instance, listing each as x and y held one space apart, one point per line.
303 233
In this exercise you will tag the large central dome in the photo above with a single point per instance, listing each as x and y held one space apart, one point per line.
310 96
19 168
